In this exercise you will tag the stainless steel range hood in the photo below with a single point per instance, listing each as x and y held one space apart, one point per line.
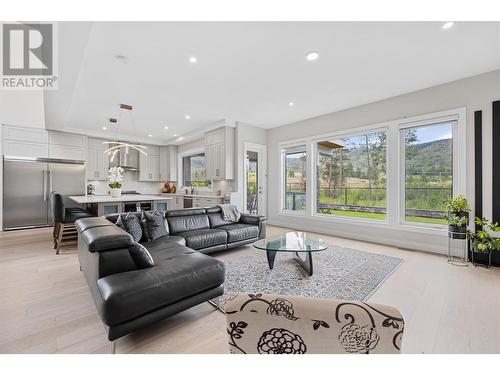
127 158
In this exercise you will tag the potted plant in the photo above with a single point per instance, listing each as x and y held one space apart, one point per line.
458 216
458 226
115 178
482 241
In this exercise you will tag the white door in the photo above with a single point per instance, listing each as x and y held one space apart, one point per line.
255 179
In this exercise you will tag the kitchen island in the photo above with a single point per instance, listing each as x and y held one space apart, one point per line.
101 205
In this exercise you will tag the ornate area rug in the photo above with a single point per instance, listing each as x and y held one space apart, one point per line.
339 273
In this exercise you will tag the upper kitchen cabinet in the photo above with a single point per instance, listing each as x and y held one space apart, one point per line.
219 154
25 142
97 163
168 163
67 146
149 166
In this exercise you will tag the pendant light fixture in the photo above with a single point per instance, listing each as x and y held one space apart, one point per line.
115 146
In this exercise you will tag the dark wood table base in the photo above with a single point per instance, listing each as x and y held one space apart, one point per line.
306 264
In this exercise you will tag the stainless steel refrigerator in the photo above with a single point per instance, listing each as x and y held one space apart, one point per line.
27 184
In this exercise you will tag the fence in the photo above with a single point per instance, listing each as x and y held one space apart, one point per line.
420 201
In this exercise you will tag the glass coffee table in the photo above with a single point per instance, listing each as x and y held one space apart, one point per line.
293 242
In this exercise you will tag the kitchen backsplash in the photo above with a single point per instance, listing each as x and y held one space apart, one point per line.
130 183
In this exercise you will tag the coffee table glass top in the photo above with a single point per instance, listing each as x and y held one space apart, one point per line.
292 242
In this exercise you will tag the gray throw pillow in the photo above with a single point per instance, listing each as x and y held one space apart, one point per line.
155 225
141 256
132 225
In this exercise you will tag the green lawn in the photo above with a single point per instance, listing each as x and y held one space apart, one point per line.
376 216
417 219
361 215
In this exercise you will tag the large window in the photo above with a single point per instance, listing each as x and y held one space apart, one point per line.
193 171
428 171
295 159
351 176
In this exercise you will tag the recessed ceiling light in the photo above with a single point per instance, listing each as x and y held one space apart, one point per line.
193 59
187 117
165 127
311 56
180 139
104 128
291 104
121 59
175 135
448 25
150 135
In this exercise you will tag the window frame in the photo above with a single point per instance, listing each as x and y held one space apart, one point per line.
377 128
393 150
283 153
180 164
453 119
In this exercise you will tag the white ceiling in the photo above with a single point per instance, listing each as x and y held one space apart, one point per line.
250 71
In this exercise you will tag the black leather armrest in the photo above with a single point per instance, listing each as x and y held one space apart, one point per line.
257 220
251 219
106 238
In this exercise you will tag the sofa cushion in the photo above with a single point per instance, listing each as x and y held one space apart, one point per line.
155 226
201 238
132 225
179 273
240 232
215 217
164 243
187 220
141 256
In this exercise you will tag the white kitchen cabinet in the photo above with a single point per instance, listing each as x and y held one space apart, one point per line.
15 133
67 139
203 202
176 203
67 146
149 167
25 142
219 154
97 163
168 163
66 152
25 149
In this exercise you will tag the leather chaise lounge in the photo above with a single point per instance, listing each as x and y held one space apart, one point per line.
129 297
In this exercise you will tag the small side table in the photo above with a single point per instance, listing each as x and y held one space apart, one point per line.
457 260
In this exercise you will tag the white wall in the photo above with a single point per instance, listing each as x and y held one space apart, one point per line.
22 108
474 93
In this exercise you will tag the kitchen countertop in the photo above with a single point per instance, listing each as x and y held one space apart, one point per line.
193 195
82 199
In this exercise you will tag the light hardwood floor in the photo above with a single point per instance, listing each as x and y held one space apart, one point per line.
45 306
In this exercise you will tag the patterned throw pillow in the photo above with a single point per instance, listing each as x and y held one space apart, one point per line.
132 225
141 256
155 225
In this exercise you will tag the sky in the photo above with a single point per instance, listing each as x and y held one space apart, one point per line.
434 132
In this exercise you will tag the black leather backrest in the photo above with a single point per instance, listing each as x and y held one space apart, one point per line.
215 217
184 220
57 204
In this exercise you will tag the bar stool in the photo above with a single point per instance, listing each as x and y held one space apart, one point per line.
64 221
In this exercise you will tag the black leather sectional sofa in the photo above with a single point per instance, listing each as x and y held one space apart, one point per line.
127 296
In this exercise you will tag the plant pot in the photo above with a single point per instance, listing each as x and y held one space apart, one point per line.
116 192
458 232
481 258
